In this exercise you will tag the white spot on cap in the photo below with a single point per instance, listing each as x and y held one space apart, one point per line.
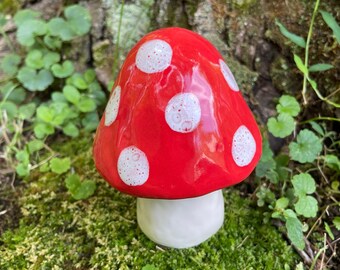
154 56
228 76
244 146
183 112
111 110
133 166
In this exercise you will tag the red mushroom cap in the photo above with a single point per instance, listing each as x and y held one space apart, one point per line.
176 125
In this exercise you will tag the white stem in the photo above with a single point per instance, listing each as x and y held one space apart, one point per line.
181 223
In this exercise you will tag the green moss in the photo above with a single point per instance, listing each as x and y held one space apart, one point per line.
57 232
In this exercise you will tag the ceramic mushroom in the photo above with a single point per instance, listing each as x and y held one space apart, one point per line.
175 132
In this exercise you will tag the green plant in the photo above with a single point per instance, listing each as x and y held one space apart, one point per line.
303 65
288 173
41 93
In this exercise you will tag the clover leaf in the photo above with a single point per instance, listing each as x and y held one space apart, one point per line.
50 59
43 129
35 80
303 184
80 190
86 104
27 31
9 64
282 126
71 94
78 18
77 23
306 148
289 105
78 81
71 130
25 15
306 206
58 27
64 70
60 165
52 42
34 59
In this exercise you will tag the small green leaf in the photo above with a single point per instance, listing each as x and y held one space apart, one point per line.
71 130
35 145
60 165
50 59
45 113
86 105
9 64
313 83
52 42
34 59
291 36
22 169
301 66
11 92
294 230
80 190
303 184
320 67
27 32
90 121
306 206
58 97
336 222
27 111
332 162
281 203
10 108
78 81
282 126
89 76
306 148
64 70
22 16
43 129
22 156
71 94
58 27
317 128
332 24
329 231
72 182
289 105
85 190
33 80
78 19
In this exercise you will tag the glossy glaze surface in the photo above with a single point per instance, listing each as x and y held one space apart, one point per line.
203 147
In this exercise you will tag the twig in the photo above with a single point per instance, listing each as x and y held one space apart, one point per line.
323 254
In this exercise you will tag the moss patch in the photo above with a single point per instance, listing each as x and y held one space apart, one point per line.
57 232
